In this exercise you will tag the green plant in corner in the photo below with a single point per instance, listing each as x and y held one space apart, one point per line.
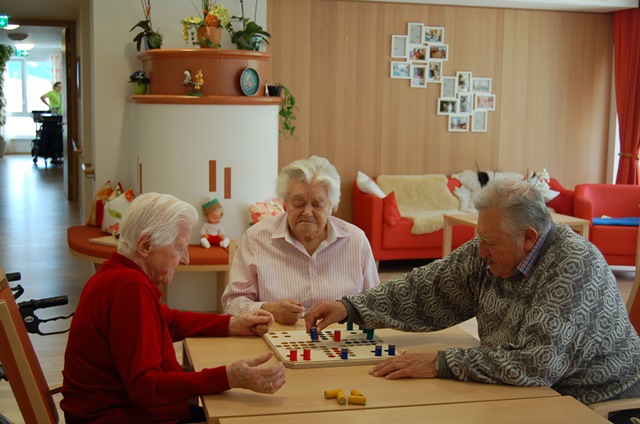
287 114
251 36
5 53
154 38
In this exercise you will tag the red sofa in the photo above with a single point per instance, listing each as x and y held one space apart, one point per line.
396 242
616 242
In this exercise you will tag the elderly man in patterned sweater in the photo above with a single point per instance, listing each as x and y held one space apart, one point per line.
548 309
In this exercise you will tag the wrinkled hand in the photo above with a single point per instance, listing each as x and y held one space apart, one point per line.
285 311
412 365
254 324
324 313
246 374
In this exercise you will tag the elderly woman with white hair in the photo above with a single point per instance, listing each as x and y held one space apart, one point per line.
289 262
120 364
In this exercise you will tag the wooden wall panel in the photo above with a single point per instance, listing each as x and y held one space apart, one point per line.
551 72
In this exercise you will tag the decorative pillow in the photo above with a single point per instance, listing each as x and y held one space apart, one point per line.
264 210
390 211
114 208
367 185
97 209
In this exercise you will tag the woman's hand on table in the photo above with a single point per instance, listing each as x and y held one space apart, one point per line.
286 311
253 324
411 365
247 374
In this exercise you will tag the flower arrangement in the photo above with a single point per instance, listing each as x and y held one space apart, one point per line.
140 77
251 35
154 38
212 15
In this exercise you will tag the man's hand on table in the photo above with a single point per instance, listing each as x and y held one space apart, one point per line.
411 365
247 374
254 324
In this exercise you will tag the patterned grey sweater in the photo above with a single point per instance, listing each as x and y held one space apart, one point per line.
565 326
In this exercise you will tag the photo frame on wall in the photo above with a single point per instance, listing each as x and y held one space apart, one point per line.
448 88
463 82
417 53
485 102
447 106
414 32
433 34
438 51
479 121
465 103
399 46
459 123
481 85
401 70
435 71
418 76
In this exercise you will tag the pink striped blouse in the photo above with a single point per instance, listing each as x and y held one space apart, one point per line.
270 266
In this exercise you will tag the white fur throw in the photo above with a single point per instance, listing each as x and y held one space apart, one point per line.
421 198
471 186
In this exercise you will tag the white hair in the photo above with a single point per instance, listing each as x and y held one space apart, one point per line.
312 170
156 215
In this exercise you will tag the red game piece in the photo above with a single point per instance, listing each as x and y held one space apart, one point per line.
306 354
336 336
293 355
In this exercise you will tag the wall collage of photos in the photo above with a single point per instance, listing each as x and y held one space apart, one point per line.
465 99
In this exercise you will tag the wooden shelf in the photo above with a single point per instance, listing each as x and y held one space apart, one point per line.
203 100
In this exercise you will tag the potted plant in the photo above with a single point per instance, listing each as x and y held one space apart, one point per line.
153 38
287 111
5 53
205 30
251 36
140 80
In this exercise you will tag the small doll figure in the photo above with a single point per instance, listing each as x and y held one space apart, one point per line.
198 82
187 78
212 233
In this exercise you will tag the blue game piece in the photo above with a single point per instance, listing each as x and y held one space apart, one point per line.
313 332
344 353
392 350
378 351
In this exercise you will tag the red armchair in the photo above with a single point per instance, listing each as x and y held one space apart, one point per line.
616 242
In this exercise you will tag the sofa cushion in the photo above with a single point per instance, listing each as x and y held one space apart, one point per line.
390 212
367 185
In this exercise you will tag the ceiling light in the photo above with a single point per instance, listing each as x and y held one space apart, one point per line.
17 36
24 46
11 27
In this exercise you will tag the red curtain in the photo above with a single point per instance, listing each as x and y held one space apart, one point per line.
626 36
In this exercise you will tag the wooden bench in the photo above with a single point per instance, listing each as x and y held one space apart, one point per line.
91 244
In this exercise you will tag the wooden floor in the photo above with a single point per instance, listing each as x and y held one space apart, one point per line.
34 217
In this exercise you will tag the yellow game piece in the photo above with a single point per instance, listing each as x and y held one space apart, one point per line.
356 392
357 400
330 394
342 399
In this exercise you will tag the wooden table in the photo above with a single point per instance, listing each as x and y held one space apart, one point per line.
471 219
304 389
560 409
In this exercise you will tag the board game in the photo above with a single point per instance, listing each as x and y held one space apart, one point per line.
296 349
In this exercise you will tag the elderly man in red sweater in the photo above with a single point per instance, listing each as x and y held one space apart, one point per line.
120 363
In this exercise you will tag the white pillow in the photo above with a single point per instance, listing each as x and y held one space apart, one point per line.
367 185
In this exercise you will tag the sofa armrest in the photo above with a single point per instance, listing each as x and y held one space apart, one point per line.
367 215
582 206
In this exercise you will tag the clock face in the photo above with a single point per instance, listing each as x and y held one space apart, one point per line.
250 81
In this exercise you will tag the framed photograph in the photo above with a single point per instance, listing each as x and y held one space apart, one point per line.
418 76
435 71
479 121
433 34
485 102
401 70
459 123
447 106
399 46
438 51
414 32
481 85
463 82
465 103
448 88
417 53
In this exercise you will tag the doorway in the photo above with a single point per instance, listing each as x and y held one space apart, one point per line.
68 76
